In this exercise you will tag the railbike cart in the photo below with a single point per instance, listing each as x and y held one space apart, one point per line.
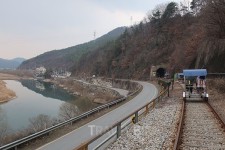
195 84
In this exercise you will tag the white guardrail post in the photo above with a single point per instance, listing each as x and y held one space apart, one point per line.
70 121
118 125
136 117
118 130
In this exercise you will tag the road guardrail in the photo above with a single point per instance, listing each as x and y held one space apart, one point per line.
118 125
27 139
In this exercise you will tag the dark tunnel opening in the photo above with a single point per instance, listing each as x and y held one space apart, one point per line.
160 72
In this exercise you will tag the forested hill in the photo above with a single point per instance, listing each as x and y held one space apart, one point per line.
10 64
172 35
66 58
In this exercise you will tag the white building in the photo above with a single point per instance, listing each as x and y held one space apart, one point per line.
40 71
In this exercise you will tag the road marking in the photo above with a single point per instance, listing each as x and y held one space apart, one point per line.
96 119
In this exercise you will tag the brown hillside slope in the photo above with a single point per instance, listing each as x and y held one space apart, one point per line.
190 39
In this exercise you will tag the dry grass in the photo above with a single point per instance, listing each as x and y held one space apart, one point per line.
91 92
216 90
217 84
17 73
64 130
4 76
5 93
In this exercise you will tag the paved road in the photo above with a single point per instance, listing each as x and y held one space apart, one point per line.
84 133
122 92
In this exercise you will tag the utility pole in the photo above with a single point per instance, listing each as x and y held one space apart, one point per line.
131 21
94 35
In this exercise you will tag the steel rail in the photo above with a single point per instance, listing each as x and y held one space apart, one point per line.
180 127
181 123
216 115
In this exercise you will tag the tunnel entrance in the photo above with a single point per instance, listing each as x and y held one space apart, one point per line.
160 72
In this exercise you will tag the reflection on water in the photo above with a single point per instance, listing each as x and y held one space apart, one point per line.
35 98
48 90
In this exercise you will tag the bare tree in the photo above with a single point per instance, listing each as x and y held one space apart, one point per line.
3 127
215 18
157 12
40 122
67 111
197 5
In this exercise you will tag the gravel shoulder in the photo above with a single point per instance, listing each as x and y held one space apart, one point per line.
67 129
157 130
216 99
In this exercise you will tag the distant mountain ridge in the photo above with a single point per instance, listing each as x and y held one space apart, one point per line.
174 39
10 63
66 58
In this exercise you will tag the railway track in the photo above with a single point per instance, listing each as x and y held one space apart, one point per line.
200 128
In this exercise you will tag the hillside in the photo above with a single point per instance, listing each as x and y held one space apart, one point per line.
10 64
66 58
174 38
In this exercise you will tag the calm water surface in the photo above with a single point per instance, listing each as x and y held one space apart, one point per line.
35 98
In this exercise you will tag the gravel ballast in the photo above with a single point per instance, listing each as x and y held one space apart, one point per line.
157 130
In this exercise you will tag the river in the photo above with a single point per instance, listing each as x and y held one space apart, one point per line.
35 98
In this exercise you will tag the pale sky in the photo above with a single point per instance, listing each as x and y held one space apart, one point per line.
31 27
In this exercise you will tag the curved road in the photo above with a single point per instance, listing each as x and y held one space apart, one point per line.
84 133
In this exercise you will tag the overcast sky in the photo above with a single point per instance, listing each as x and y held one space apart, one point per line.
32 27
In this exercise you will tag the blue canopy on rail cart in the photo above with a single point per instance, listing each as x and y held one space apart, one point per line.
180 74
195 72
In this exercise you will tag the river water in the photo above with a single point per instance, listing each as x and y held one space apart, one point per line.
35 98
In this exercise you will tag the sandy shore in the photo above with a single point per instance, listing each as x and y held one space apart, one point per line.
5 93
4 76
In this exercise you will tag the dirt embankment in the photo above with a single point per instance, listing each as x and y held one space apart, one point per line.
216 90
116 83
5 93
15 74
4 76
96 93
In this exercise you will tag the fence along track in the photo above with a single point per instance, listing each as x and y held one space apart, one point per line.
201 128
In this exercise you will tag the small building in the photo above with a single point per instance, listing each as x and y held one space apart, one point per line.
62 74
39 72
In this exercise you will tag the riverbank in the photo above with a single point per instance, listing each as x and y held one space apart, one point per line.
67 129
15 74
5 93
4 76
97 94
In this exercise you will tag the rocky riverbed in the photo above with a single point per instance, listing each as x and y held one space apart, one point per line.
94 92
157 130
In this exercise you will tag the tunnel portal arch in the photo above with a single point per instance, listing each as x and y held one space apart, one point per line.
160 72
